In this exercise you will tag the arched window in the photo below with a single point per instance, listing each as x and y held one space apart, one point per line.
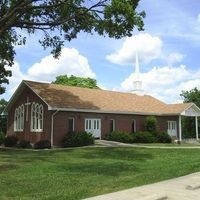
19 118
36 117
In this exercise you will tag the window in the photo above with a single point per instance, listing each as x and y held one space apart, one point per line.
19 118
112 125
172 128
133 126
171 125
71 125
36 117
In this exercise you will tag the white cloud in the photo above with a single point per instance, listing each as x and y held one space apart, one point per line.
166 83
147 46
14 80
174 58
198 18
71 62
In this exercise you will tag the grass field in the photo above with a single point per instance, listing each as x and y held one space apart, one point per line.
80 173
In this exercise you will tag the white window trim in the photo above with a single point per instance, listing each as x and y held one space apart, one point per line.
19 119
172 125
113 128
73 123
99 119
135 125
41 108
95 132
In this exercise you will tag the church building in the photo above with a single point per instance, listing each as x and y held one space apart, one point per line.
39 111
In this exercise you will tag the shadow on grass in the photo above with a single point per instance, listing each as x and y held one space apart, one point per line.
116 154
24 156
7 167
105 161
97 168
95 161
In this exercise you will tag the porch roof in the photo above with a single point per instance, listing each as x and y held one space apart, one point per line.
192 111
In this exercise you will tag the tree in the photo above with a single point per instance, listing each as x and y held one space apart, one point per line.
191 96
76 81
61 20
3 119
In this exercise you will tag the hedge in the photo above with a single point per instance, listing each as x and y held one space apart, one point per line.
77 139
120 137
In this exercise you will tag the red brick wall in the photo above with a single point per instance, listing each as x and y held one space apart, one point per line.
122 122
26 133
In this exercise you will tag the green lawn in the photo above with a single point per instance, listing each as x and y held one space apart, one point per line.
80 173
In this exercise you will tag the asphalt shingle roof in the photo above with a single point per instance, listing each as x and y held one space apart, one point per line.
68 97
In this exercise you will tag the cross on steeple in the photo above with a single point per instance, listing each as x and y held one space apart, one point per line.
27 106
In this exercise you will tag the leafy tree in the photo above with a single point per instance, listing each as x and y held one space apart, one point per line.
76 81
188 123
192 96
3 119
61 20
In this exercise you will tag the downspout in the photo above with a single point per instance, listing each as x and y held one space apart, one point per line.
52 126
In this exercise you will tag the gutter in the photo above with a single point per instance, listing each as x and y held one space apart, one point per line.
112 112
52 126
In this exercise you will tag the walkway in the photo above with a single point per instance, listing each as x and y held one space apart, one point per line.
182 188
106 143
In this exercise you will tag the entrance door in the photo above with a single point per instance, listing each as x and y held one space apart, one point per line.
93 126
172 128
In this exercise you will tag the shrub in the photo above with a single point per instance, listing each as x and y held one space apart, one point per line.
10 141
143 137
163 137
24 144
151 124
42 144
2 138
120 137
77 139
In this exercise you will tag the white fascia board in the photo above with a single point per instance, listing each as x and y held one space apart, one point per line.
193 104
37 94
196 107
112 112
12 97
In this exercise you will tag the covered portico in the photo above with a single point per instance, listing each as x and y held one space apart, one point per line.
192 111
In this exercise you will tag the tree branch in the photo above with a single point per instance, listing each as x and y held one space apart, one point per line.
60 22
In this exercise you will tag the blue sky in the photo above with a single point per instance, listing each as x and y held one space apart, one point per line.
168 52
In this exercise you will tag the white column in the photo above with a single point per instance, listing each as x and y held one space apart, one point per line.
197 131
180 129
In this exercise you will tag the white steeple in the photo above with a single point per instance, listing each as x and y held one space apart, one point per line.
137 83
137 67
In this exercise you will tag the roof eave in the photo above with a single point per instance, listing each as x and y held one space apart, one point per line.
5 111
111 112
192 104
